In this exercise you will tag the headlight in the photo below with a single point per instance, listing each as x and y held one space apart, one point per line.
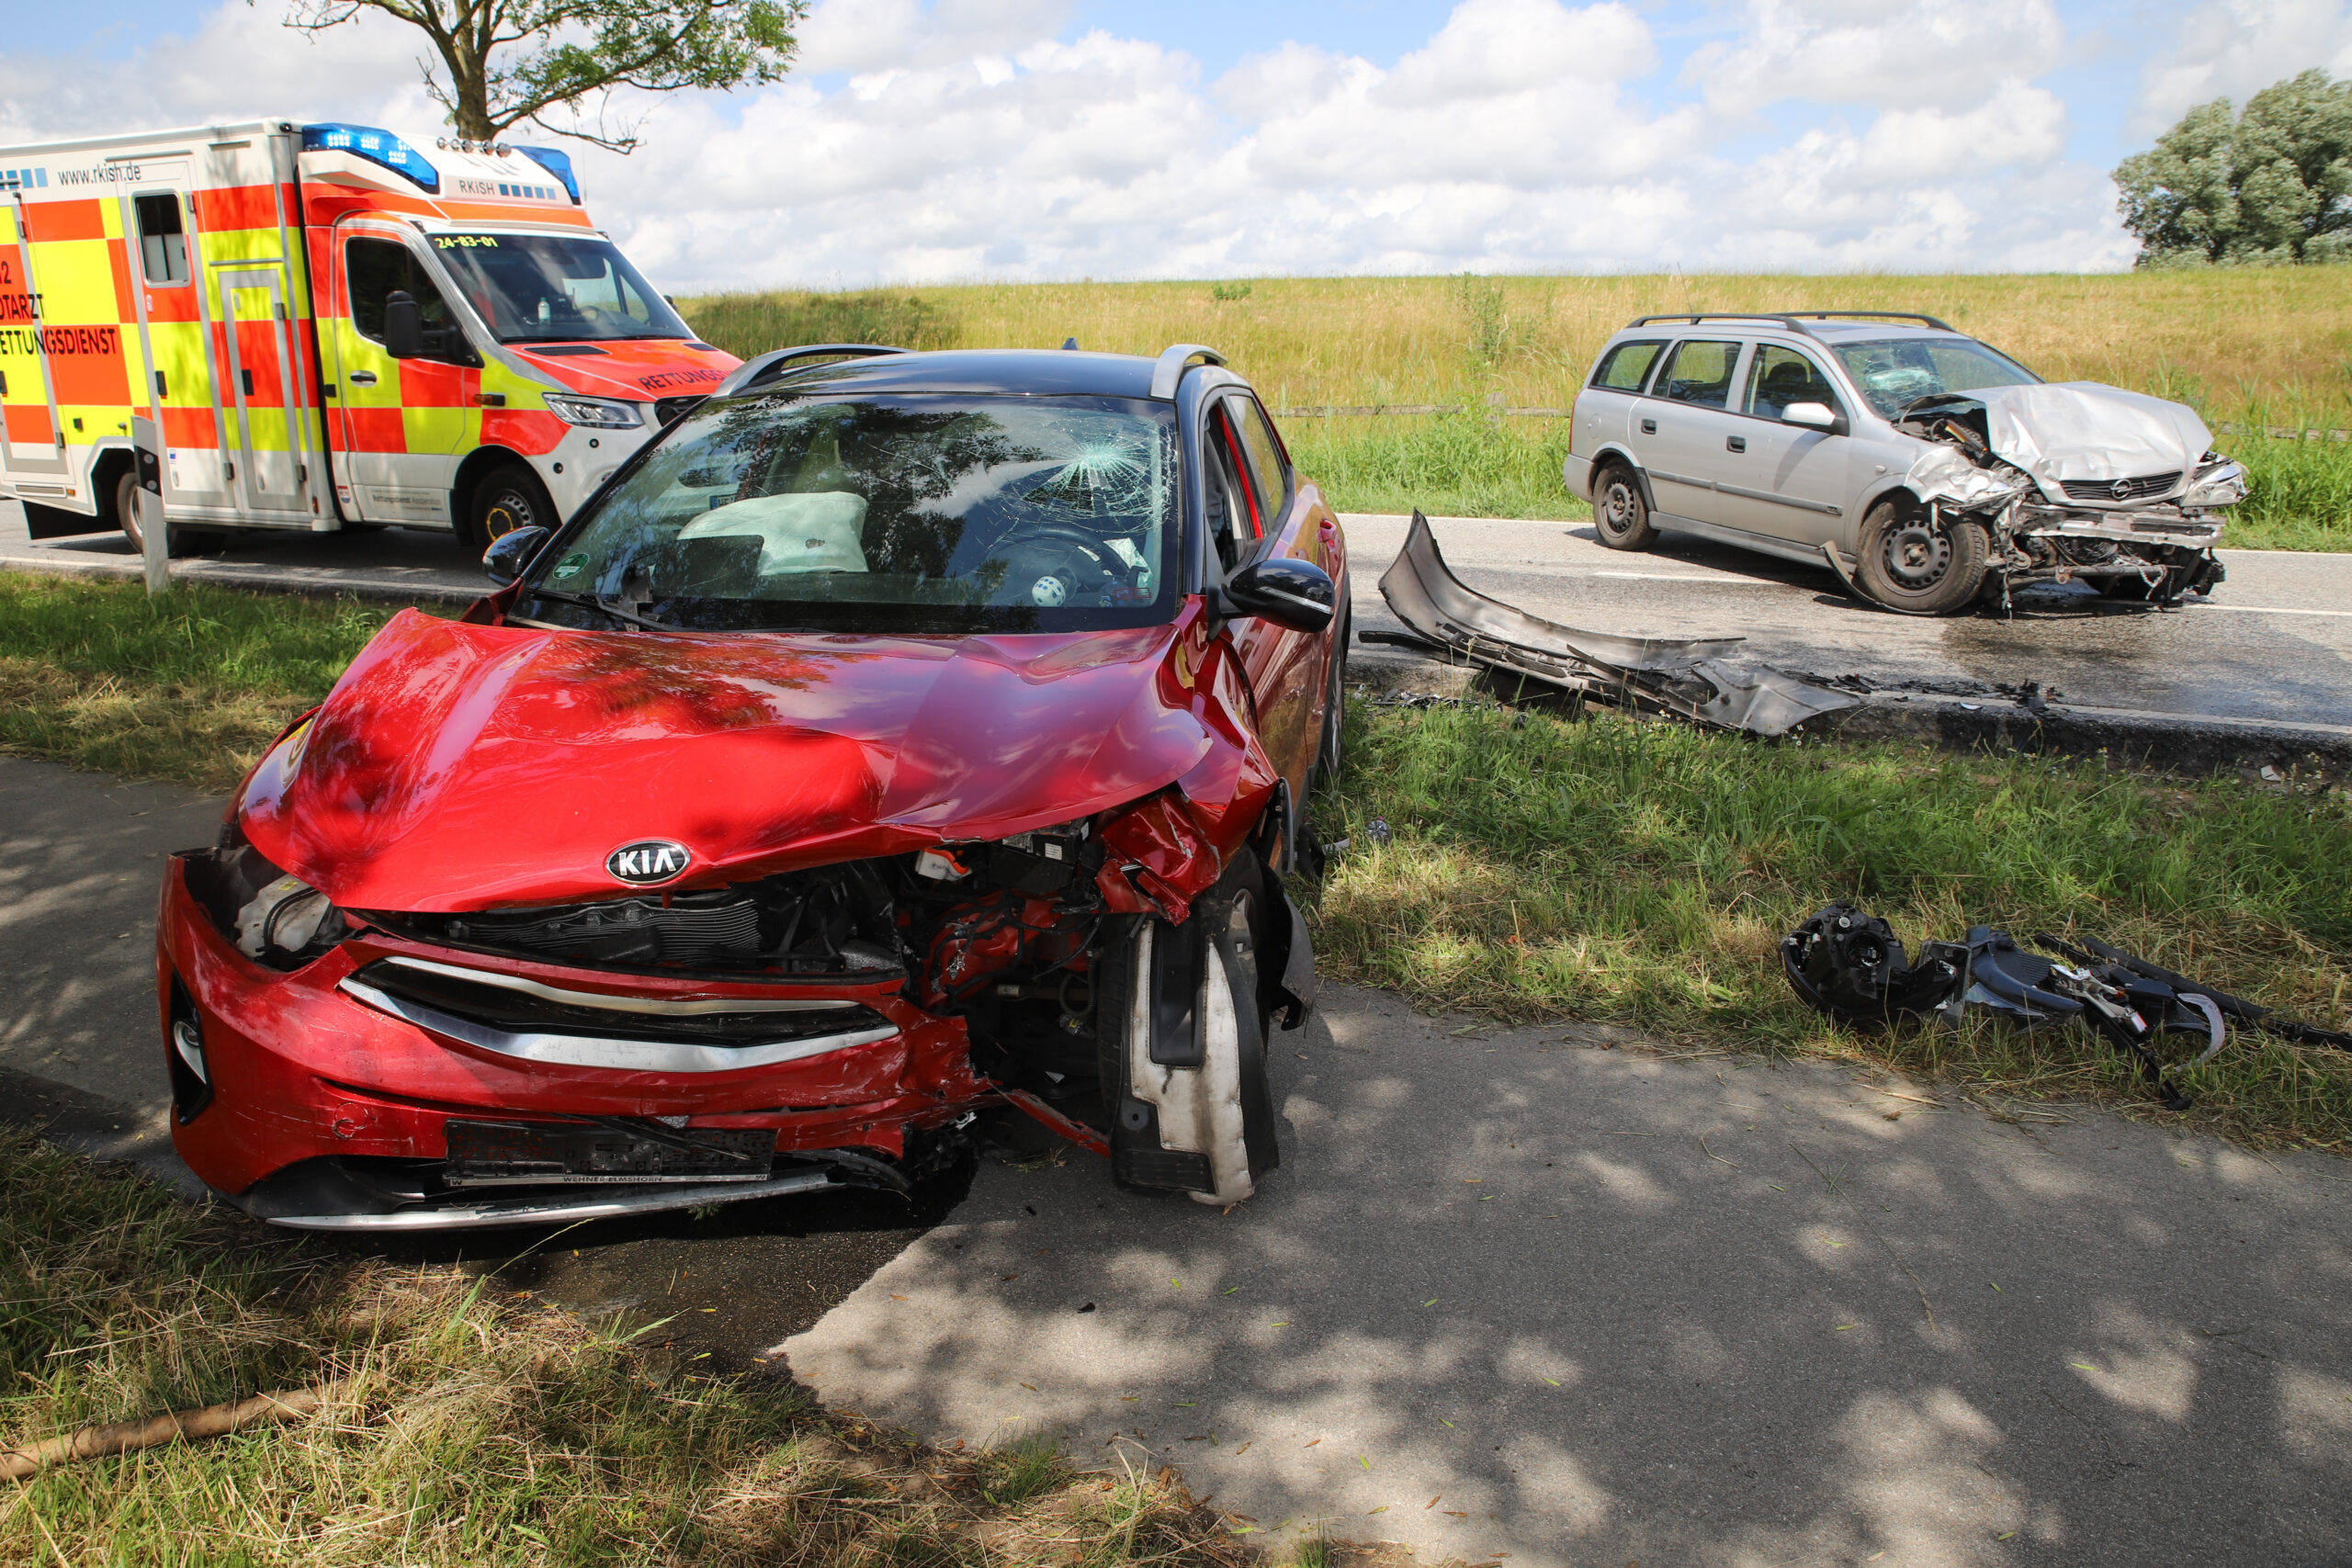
2221 485
601 413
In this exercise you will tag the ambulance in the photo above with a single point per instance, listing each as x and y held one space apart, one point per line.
331 327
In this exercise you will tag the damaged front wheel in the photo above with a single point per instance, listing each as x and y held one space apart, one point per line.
1922 562
1182 1024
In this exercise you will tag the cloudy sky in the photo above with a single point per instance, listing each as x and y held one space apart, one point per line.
964 140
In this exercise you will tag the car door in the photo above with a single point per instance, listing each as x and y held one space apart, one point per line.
402 425
1686 433
1285 667
1795 485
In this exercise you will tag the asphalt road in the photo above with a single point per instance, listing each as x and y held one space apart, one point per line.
1543 1291
2275 643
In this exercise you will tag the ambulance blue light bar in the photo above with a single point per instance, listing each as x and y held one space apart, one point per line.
379 147
557 163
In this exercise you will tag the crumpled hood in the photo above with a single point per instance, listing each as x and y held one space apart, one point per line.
2082 430
462 767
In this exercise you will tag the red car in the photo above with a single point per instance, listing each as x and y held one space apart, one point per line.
898 737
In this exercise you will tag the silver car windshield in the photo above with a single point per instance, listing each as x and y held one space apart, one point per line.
935 513
554 288
1898 371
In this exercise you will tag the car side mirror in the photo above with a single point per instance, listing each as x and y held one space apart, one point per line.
510 553
1295 594
1812 416
403 326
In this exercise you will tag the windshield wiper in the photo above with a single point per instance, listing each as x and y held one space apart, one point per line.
590 602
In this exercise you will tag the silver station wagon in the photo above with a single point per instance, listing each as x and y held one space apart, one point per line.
1929 470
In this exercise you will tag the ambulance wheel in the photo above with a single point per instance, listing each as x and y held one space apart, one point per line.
126 508
1200 1119
508 498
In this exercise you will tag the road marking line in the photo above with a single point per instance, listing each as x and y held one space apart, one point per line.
2267 610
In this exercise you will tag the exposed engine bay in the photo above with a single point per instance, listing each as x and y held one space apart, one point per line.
2078 481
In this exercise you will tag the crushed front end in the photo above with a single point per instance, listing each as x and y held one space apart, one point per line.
342 1068
2080 481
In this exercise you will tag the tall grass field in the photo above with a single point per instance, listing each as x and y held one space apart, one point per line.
2252 349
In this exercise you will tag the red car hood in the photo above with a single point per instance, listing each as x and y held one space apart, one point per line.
462 767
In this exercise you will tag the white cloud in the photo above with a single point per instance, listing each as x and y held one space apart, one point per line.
970 138
1920 52
2234 49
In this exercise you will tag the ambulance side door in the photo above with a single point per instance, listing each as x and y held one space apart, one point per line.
401 426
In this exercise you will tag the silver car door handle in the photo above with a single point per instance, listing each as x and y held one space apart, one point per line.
1734 443
1649 427
362 378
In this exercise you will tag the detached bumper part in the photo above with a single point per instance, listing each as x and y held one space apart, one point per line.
1695 678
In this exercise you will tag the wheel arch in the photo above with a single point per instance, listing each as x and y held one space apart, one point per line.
479 462
1616 452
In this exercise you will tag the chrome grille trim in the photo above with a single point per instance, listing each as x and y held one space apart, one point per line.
611 1054
2137 488
653 1006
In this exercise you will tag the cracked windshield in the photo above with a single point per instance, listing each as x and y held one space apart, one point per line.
913 514
1900 371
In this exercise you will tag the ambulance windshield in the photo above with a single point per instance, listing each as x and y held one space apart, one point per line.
555 289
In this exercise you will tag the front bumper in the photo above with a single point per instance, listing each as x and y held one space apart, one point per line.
321 1107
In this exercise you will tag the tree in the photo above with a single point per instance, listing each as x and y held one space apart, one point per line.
576 48
2272 185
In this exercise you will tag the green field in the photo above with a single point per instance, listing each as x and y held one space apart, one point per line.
2251 348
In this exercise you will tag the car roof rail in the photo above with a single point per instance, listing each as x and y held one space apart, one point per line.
769 365
1173 362
1793 320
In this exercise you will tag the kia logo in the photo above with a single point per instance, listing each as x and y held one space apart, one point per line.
649 861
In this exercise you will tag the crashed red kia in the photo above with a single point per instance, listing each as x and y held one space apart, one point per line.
898 739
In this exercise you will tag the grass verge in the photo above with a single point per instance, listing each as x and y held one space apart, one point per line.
479 1428
188 686
1645 872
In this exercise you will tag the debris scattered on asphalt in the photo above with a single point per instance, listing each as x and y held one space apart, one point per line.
1693 678
1852 967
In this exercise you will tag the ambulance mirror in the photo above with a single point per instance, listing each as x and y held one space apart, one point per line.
403 326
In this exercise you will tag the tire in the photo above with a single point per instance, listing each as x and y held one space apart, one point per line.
1204 1126
508 497
1620 516
125 509
1922 563
1328 757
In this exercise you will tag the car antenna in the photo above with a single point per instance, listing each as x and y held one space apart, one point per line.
1070 345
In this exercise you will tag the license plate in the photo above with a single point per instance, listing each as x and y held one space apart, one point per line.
513 1154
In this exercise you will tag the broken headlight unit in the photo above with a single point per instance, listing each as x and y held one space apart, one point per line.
269 916
2219 481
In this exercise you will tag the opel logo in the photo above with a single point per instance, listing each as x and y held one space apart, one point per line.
649 861
2121 490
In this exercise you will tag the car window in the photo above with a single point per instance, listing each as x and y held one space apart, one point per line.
1699 373
163 239
376 269
1269 473
1626 366
1233 523
1780 376
1897 371
916 514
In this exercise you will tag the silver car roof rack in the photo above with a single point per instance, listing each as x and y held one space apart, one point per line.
1173 361
769 365
1794 320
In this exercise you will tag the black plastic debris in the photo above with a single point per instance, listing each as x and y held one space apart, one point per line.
1853 967
1693 678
